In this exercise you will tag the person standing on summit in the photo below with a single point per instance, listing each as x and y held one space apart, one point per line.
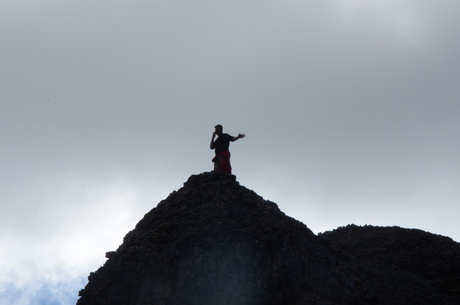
220 145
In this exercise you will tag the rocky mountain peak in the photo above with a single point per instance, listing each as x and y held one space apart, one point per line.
216 242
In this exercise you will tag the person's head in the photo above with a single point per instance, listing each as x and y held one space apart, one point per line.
219 129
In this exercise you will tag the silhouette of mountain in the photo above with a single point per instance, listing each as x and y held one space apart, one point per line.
216 242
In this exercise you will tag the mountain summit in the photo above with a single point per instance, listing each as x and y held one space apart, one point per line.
216 242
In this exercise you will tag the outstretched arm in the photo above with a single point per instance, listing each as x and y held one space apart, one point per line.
240 136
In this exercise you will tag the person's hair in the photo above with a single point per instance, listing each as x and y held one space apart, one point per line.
218 126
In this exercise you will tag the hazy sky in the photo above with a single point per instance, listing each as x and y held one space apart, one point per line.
351 110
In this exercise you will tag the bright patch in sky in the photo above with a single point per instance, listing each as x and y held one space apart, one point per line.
45 265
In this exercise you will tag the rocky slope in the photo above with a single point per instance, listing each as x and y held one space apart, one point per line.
216 242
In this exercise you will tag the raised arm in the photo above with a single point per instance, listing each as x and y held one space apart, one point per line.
212 140
240 136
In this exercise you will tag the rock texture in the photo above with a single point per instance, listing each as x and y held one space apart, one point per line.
216 242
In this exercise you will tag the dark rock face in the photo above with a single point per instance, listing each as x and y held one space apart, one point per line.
216 242
402 266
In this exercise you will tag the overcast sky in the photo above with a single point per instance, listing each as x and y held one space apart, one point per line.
350 108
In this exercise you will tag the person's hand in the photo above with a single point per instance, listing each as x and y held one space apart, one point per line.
241 135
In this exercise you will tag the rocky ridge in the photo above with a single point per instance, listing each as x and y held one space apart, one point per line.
216 242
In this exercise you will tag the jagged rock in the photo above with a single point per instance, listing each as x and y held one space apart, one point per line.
216 242
110 254
425 266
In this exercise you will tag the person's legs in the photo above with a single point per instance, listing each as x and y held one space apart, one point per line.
222 164
217 161
225 166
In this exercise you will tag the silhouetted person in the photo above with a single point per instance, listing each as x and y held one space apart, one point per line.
220 145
